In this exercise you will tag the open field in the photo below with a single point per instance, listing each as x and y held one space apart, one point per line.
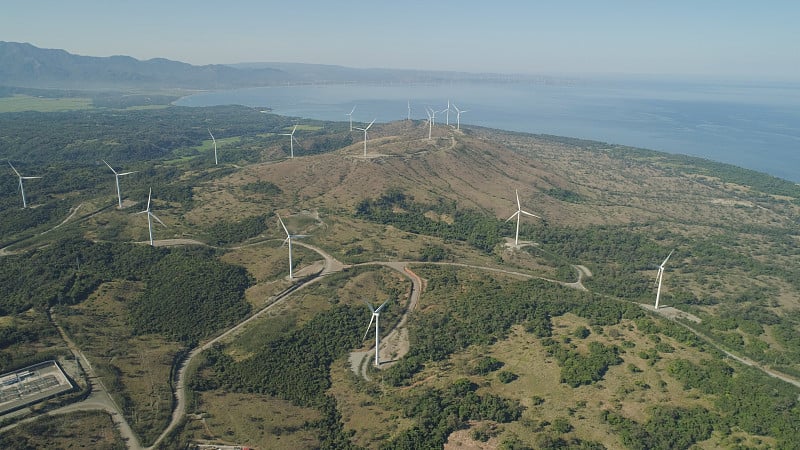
18 103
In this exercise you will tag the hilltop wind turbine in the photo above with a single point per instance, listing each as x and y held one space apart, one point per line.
292 140
447 117
21 189
365 134
288 239
518 214
659 277
116 179
350 115
215 146
458 116
149 215
376 314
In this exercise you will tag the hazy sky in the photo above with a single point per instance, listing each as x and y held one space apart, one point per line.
739 39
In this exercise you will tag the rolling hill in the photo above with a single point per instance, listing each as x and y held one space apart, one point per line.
508 347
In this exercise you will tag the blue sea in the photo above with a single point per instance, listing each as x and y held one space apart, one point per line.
752 125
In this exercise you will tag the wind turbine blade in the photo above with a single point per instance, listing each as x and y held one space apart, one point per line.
288 236
12 168
212 135
109 166
368 326
512 216
381 307
148 199
667 258
300 236
529 214
519 206
351 111
156 217
658 275
369 305
30 178
370 124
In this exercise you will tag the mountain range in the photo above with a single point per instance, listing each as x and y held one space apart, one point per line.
25 65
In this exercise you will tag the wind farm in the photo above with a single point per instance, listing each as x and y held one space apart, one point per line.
562 324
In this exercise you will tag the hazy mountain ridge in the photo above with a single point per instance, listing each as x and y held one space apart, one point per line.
30 66
25 65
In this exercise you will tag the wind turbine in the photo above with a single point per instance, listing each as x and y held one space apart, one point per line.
659 277
21 189
365 134
458 116
408 117
288 239
215 146
292 140
518 214
431 115
376 314
149 215
447 117
116 179
350 115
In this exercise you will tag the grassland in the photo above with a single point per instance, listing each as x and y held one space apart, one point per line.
18 103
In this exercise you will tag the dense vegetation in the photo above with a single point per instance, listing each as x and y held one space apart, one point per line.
398 209
439 412
190 295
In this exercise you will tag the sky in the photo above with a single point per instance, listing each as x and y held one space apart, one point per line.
708 38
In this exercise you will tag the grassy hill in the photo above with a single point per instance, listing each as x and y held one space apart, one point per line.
507 346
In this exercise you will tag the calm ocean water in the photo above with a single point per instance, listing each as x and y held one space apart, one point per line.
756 126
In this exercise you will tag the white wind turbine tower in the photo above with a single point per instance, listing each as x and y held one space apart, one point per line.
288 239
518 214
292 140
350 115
116 179
458 116
376 314
149 215
408 117
215 146
21 189
431 118
659 277
365 134
447 111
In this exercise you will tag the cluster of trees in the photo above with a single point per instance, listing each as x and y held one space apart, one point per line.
190 295
400 210
224 233
578 369
484 311
746 398
439 412
668 428
294 365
